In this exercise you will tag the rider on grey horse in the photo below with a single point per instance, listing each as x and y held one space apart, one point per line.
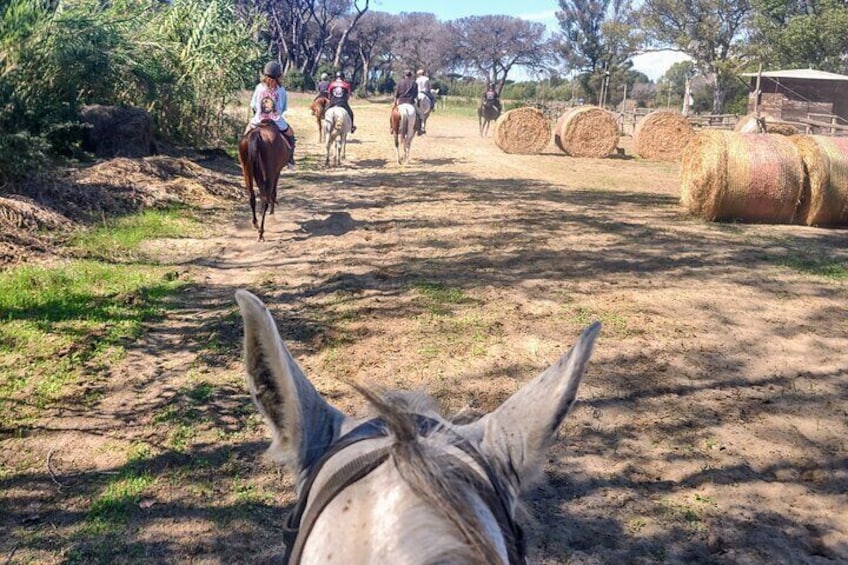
423 82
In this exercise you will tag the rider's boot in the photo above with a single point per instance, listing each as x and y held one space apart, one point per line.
291 139
352 128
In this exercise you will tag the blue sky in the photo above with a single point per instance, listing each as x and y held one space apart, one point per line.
543 11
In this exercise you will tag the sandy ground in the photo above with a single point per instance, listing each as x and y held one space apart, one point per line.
712 420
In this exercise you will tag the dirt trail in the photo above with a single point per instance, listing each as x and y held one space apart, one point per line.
714 412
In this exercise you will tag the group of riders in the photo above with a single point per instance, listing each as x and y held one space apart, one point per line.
269 101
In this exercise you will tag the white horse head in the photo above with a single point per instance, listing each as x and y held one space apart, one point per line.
408 487
337 126
405 132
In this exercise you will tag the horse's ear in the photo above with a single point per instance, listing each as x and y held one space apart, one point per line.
516 435
302 424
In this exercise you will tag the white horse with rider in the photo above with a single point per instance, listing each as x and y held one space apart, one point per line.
403 126
337 124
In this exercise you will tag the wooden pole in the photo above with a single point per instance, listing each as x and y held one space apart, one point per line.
757 92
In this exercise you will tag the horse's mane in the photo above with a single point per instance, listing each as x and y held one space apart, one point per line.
432 475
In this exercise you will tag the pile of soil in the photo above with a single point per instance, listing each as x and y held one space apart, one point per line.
47 209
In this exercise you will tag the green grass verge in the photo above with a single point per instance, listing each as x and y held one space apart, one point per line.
819 266
122 237
59 323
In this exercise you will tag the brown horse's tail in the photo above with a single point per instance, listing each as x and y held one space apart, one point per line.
254 154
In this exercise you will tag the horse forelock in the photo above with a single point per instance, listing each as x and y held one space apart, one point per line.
440 475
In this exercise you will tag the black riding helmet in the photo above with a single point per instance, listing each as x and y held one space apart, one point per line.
340 75
272 69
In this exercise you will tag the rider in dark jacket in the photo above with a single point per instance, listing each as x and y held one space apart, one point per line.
406 91
339 94
491 97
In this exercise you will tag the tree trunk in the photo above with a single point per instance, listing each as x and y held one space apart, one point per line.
366 69
340 48
718 95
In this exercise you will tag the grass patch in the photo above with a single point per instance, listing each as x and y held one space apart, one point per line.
833 269
583 316
65 321
438 298
457 106
122 237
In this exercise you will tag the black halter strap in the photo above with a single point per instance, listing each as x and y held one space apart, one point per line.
299 523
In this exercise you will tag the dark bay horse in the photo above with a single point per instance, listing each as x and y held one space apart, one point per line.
318 108
487 112
263 152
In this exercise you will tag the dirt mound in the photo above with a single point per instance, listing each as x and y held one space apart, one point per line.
108 188
26 228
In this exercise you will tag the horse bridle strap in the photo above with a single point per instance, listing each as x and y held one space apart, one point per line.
300 522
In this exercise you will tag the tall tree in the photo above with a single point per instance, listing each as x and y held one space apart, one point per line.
372 41
303 33
804 33
709 31
350 25
597 38
420 40
493 45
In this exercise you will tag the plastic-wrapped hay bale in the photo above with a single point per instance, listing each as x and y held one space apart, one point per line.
824 201
523 130
587 131
734 176
748 124
662 135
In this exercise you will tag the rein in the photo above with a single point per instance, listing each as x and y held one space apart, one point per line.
300 521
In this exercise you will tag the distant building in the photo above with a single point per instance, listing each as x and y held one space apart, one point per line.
800 94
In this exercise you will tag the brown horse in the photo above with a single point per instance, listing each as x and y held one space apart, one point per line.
487 112
319 107
263 152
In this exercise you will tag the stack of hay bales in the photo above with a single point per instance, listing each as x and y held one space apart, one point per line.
523 130
824 198
748 124
586 131
736 176
662 135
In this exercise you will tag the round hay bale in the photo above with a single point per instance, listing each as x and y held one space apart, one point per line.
748 124
523 130
824 200
735 176
118 131
662 135
781 129
587 131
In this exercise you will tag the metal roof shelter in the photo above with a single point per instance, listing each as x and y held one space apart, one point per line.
803 74
800 95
